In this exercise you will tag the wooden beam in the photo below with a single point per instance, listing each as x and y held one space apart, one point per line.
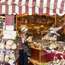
55 21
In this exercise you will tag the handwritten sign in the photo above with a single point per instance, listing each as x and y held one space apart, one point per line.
8 34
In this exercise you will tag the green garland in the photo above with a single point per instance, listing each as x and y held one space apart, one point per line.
44 64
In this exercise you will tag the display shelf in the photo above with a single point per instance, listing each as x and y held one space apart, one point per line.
36 48
35 62
7 55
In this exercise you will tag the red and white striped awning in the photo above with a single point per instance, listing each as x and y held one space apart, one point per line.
30 7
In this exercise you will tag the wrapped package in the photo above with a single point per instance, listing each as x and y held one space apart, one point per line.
11 62
8 47
52 46
8 44
6 58
1 58
1 55
2 45
13 46
12 56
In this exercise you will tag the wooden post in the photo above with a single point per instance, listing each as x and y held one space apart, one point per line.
64 18
16 22
64 26
55 20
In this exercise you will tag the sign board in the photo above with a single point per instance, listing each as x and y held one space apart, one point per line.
8 34
10 27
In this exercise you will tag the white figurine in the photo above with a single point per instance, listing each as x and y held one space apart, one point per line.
53 30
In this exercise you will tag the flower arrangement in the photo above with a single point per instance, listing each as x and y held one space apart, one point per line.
10 57
10 44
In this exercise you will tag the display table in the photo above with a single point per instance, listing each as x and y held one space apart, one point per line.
35 62
39 56
36 56
35 53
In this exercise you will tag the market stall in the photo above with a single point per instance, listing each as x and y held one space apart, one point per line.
7 41
44 47
41 17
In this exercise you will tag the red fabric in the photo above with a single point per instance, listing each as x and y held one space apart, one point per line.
41 7
0 8
62 6
55 6
6 9
58 55
13 8
33 7
49 56
64 55
27 1
48 6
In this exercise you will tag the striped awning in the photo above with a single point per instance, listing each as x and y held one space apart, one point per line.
31 7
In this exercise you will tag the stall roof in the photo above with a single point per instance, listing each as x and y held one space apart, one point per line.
31 7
